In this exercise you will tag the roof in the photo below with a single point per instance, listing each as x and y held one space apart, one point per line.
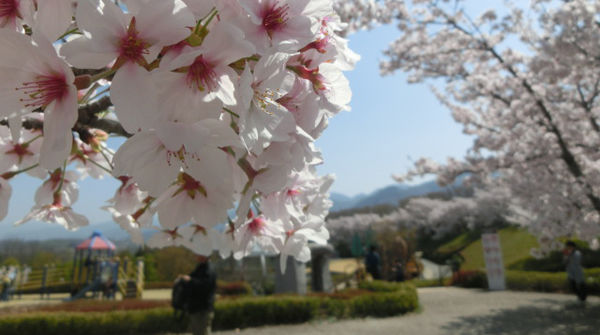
96 242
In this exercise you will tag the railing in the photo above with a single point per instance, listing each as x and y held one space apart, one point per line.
43 281
52 278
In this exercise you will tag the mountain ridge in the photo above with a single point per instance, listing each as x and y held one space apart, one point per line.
390 195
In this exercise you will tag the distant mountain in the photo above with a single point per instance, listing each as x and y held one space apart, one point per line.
341 201
47 231
390 195
44 231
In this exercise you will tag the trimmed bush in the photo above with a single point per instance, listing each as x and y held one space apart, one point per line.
384 286
233 288
122 322
375 299
469 279
223 287
259 311
529 280
384 304
432 282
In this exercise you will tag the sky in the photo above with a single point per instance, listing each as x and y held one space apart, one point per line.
391 125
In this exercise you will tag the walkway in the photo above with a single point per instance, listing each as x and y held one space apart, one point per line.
466 312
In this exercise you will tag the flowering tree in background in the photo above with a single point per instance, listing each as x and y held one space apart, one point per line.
433 215
525 84
219 101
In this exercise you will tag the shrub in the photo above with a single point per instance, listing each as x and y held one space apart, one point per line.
258 311
530 280
233 288
375 299
223 287
536 281
469 279
122 322
550 281
432 282
384 304
384 286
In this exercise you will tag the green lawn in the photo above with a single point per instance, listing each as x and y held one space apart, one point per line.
515 244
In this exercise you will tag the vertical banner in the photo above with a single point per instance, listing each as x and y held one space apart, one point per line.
494 265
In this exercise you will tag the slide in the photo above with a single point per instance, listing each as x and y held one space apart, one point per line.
93 286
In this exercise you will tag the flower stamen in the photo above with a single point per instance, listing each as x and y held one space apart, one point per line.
44 90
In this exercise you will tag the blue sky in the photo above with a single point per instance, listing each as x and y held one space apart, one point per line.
391 123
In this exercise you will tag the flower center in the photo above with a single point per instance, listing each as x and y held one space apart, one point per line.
55 178
131 47
44 90
201 75
200 230
256 225
21 150
189 185
292 193
275 18
9 11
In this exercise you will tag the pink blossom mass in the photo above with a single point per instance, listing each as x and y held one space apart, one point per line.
217 119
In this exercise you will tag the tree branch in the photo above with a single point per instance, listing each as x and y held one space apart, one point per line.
87 118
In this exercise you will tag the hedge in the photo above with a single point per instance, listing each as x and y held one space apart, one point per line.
378 299
529 280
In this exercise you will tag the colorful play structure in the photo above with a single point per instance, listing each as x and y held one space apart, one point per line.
95 271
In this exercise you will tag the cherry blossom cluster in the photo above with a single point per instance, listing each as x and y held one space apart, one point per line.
220 103
366 14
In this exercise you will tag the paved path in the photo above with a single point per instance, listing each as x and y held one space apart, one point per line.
466 312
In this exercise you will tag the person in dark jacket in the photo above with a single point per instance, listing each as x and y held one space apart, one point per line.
373 263
201 285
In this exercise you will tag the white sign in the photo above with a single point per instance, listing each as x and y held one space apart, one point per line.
494 266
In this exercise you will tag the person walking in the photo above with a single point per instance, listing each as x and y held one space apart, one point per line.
373 263
575 270
201 285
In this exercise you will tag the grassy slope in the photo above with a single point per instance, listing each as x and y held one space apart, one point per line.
515 244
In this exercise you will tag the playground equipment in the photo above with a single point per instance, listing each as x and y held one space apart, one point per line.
96 269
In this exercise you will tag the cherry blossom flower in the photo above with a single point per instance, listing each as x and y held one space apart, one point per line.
69 190
262 119
128 198
167 238
35 77
203 239
199 200
91 161
56 212
13 13
202 73
282 24
268 235
22 152
113 35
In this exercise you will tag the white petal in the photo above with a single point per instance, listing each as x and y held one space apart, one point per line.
82 52
59 118
134 96
53 18
164 23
